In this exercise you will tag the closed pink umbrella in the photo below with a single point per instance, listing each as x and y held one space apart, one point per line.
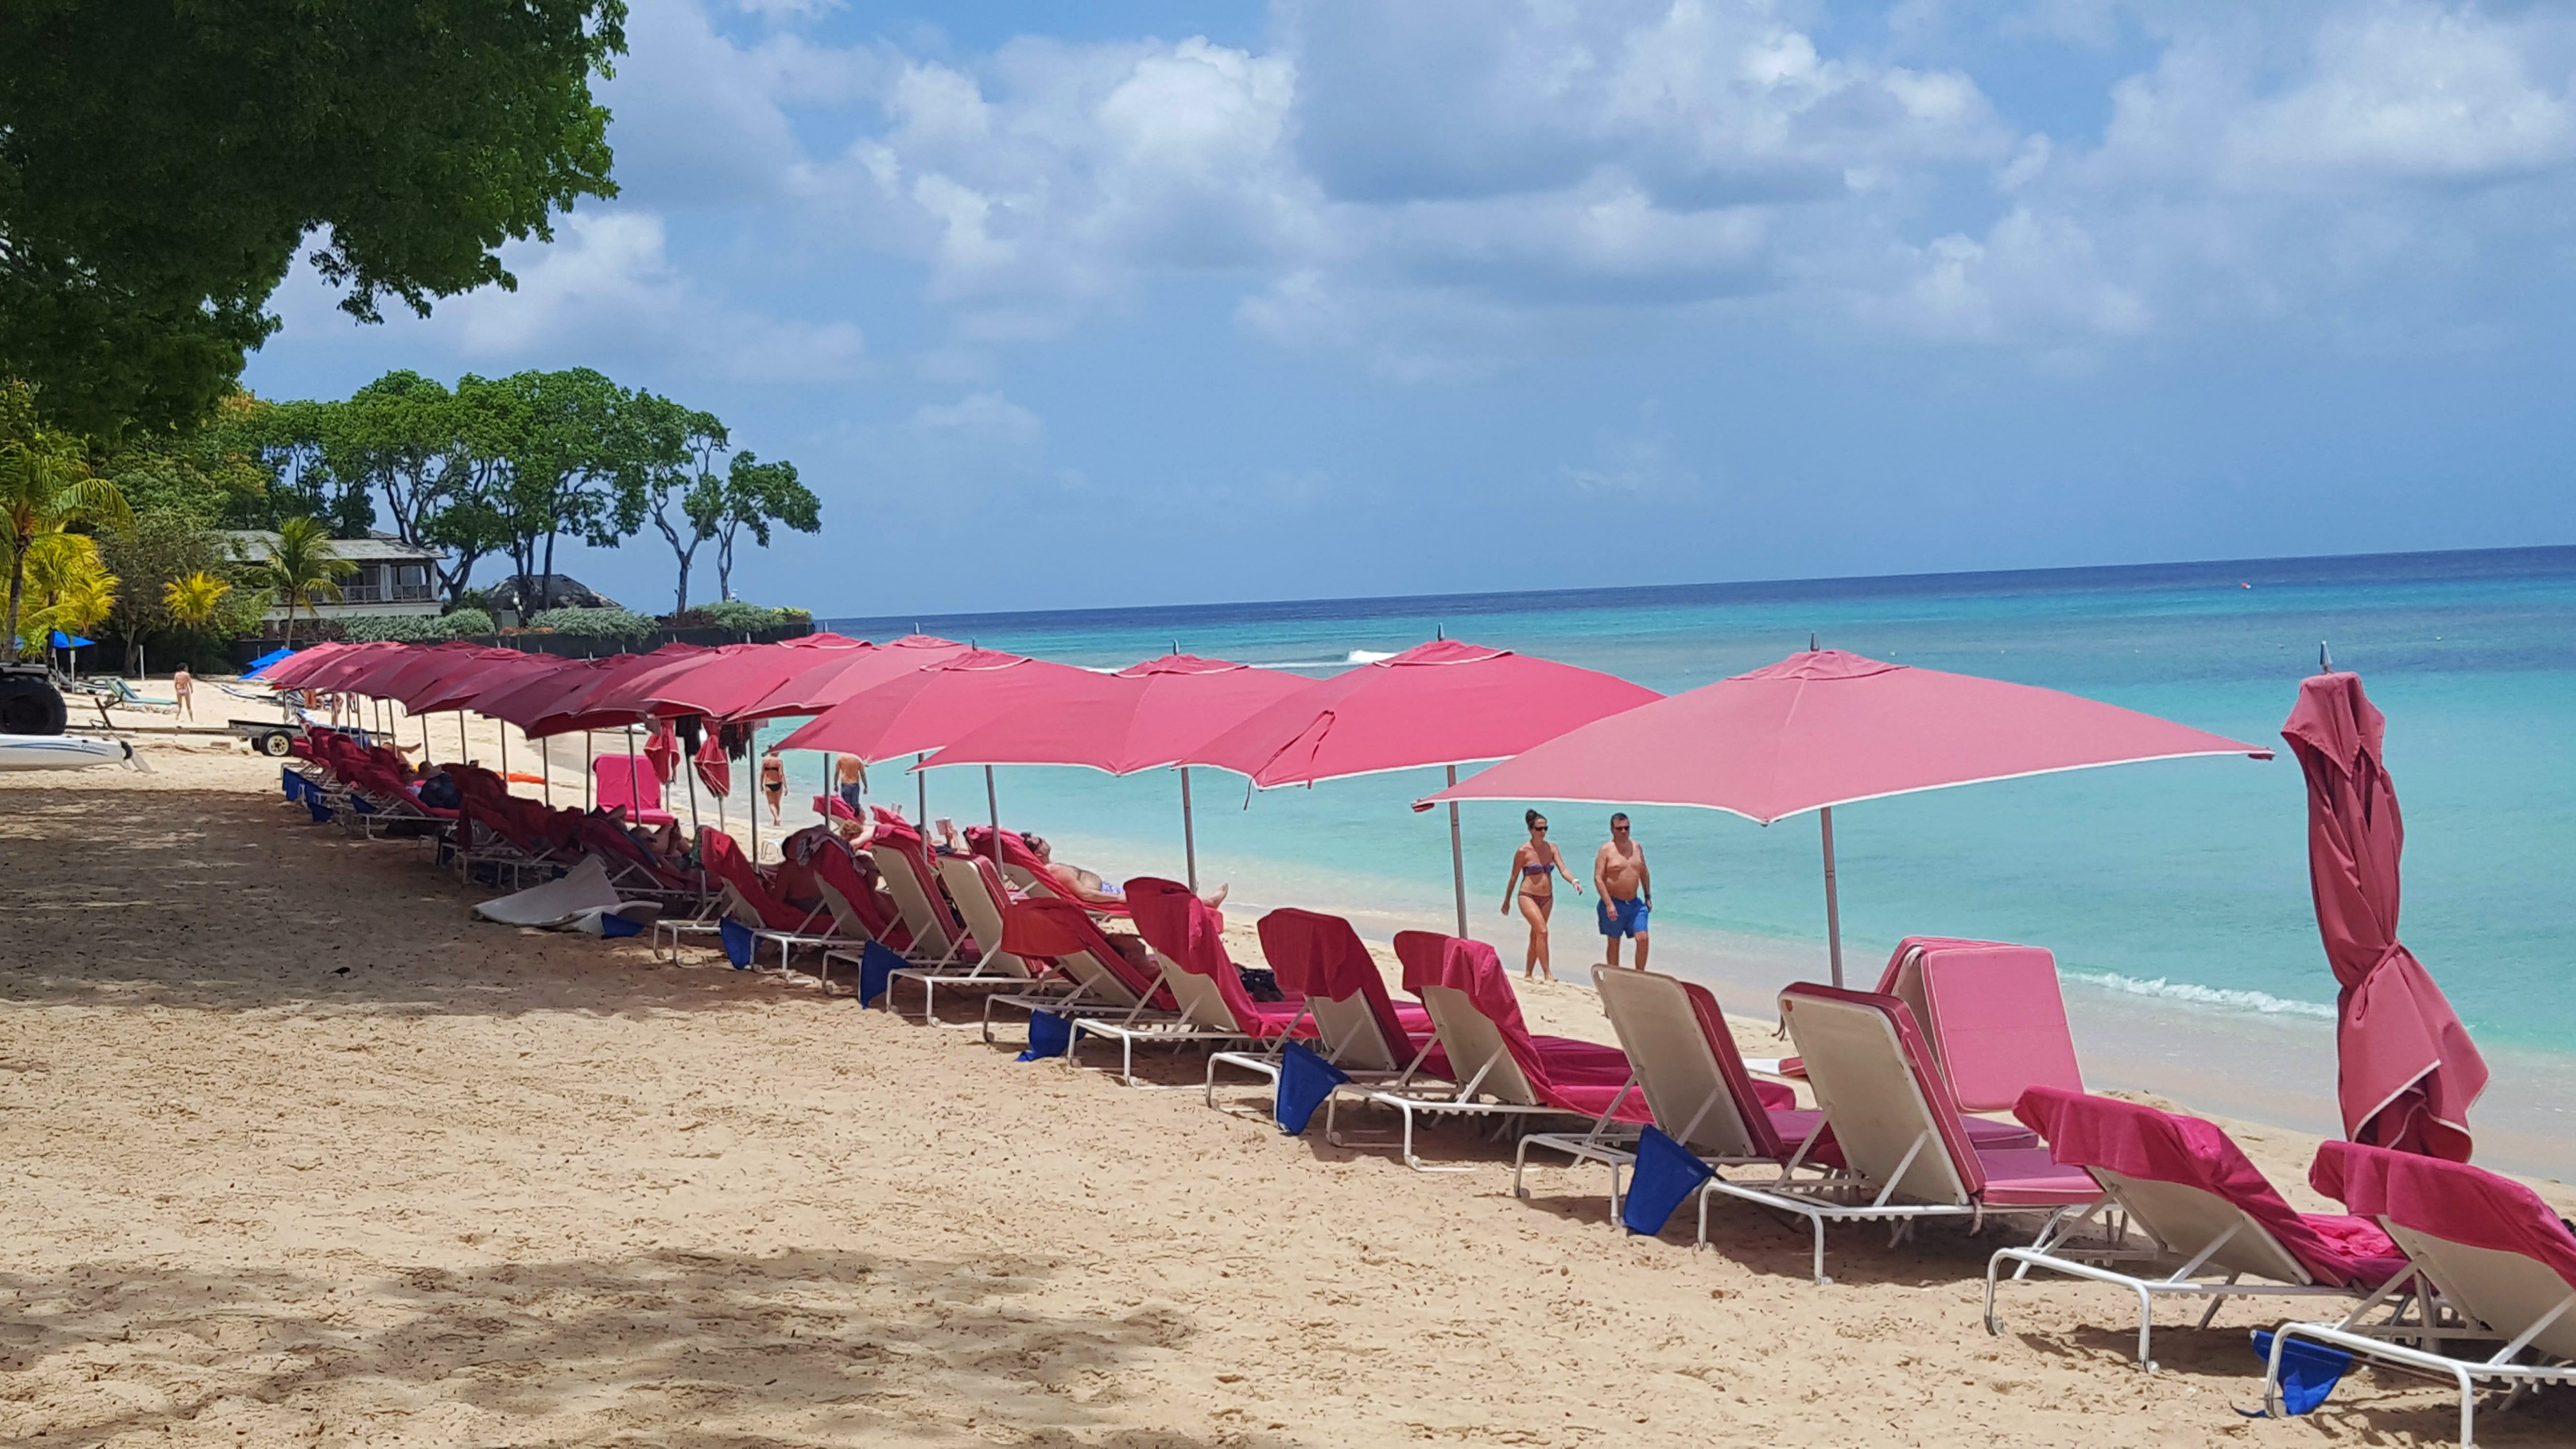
1143 717
2408 1069
1447 703
1826 728
662 749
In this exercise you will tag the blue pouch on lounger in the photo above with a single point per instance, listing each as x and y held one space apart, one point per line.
321 812
877 965
737 942
1665 1174
1305 1080
613 924
2309 1371
1050 1035
293 782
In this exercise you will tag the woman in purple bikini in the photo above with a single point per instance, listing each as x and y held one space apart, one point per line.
1535 867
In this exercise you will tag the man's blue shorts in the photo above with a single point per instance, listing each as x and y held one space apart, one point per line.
1623 918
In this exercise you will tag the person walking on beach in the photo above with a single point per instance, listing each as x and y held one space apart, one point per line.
1535 867
773 782
183 692
853 777
1627 889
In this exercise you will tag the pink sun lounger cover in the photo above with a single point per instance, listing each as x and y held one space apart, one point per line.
838 872
1581 1077
1188 932
1314 954
2141 1142
1995 1175
1773 1120
2448 1200
725 861
629 780
1993 1013
1049 928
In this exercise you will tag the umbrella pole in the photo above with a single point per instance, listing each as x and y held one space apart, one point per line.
589 742
546 766
634 787
1833 907
690 769
1189 832
461 746
993 811
923 781
1457 857
505 755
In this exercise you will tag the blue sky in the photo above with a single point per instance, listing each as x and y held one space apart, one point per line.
1151 303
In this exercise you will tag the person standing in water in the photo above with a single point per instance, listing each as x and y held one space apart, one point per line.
183 692
773 782
1627 889
1535 867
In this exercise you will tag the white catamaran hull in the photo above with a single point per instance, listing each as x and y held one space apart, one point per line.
60 752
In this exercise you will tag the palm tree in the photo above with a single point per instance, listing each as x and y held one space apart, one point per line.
46 487
191 602
301 567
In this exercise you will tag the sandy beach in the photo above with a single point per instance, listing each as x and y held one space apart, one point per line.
303 1154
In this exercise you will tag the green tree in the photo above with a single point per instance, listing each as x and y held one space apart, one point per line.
300 566
666 456
68 588
165 547
163 161
45 487
756 495
558 435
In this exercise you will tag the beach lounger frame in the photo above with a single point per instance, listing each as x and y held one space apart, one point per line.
1201 1020
1883 1097
1348 1031
975 888
1085 981
1496 1092
2516 1300
1204 1014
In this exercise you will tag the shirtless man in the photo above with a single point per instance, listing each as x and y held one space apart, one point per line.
1627 889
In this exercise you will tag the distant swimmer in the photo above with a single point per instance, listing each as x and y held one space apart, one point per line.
1627 889
1535 867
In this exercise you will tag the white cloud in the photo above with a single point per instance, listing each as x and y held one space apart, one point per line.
980 422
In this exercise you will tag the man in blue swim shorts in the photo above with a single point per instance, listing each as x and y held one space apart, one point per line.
1627 889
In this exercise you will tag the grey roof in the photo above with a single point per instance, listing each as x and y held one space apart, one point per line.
374 548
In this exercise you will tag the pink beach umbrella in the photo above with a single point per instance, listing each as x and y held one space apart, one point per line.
1144 717
2408 1071
1826 728
1447 703
926 708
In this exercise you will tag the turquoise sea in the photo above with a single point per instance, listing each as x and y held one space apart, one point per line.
2178 889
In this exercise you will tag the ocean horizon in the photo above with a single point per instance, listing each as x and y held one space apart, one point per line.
2174 893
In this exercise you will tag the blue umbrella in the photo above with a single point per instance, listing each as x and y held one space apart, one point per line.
263 661
70 641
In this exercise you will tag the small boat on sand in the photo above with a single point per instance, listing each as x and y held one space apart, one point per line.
63 752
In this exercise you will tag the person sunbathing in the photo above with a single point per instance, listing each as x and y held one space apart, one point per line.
1086 886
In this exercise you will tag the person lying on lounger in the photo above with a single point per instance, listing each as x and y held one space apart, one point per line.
1087 886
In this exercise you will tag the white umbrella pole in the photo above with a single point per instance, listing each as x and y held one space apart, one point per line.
689 768
546 766
589 742
504 732
1189 832
461 747
635 787
1833 907
923 781
1457 857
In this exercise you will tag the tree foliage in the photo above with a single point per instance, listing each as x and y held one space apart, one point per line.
666 473
45 488
756 495
162 161
297 568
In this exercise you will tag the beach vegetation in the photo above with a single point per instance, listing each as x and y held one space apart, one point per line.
161 167
667 476
595 623
737 616
416 628
168 548
68 588
298 569
46 488
759 494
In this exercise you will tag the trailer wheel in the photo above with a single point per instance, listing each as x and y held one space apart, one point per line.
276 744
29 704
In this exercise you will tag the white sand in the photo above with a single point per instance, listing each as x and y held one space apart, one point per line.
301 1154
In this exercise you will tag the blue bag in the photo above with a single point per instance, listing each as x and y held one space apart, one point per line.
737 942
1050 1035
321 812
2309 1371
613 924
877 965
1305 1080
293 782
1666 1173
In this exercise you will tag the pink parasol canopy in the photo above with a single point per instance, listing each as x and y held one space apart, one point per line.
614 700
1143 717
2408 1071
481 678
335 672
738 677
1827 728
819 686
1446 703
285 673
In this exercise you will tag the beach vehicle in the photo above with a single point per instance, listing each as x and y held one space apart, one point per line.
29 702
1496 1069
2210 1219
2503 1262
1907 1153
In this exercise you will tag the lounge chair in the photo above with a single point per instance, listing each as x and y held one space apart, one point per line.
1186 935
903 862
975 888
1992 1014
2502 1260
1496 1070
1694 1081
1905 1151
1099 978
2209 1216
1321 960
749 901
627 786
